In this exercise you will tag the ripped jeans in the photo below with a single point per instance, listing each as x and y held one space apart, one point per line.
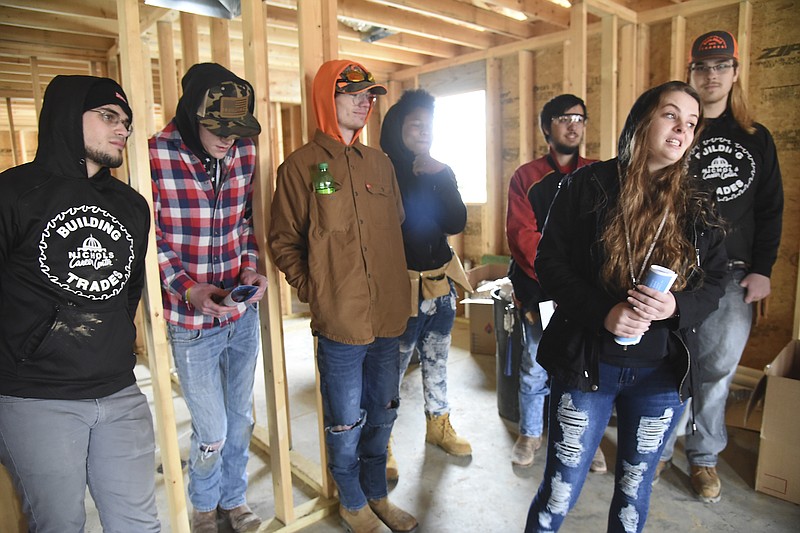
216 368
648 408
359 387
429 332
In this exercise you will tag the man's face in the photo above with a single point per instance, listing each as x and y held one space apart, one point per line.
352 110
105 132
713 79
214 145
566 130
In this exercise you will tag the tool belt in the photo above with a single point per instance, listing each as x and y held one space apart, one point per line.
435 283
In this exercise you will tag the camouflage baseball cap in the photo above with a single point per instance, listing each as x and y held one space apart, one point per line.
225 111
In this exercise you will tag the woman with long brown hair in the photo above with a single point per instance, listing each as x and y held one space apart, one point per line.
610 222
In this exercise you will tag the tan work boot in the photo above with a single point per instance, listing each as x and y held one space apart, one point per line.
242 518
395 518
392 471
660 468
598 465
522 454
362 521
441 433
706 484
204 522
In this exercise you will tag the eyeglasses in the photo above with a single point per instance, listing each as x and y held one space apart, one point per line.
361 98
701 68
112 119
570 118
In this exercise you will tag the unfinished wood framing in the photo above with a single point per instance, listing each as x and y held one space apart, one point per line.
608 88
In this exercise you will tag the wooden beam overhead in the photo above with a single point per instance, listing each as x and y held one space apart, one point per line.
412 23
685 9
56 21
538 10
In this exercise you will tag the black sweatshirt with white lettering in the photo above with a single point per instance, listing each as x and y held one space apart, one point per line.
744 170
71 263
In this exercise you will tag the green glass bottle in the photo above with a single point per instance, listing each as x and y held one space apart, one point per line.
323 181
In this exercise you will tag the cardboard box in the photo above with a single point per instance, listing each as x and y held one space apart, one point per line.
480 307
778 471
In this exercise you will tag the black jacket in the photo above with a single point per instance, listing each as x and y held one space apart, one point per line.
71 263
568 263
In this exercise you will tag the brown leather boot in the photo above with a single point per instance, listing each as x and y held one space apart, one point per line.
242 518
362 521
706 483
398 520
522 454
441 433
204 522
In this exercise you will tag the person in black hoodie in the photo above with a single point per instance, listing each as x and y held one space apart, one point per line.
434 210
737 157
72 248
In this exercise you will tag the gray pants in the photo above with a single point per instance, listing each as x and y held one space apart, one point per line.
54 448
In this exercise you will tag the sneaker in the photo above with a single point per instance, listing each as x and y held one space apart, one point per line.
362 521
392 470
440 432
204 522
242 518
598 465
662 465
522 454
395 518
706 484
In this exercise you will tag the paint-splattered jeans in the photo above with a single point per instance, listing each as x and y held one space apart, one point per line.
216 368
429 332
647 409
722 338
359 406
532 383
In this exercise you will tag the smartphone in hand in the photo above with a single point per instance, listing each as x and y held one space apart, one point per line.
239 295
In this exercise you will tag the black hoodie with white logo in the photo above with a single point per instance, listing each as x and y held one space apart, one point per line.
71 263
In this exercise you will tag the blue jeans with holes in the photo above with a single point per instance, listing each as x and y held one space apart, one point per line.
648 408
53 449
532 382
359 406
429 332
722 337
216 368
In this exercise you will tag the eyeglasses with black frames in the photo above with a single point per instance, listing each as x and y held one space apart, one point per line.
570 118
702 68
113 119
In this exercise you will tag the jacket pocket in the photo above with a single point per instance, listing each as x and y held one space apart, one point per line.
79 344
382 206
332 212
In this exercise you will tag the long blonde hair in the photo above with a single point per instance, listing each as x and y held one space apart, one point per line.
644 199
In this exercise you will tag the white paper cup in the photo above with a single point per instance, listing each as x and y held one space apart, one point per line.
659 278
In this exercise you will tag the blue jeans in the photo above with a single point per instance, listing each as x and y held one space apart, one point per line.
359 406
532 382
53 449
216 368
429 331
648 408
723 336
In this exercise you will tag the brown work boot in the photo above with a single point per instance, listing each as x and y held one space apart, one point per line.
242 518
441 433
598 465
204 522
522 454
395 518
706 484
660 468
362 521
392 471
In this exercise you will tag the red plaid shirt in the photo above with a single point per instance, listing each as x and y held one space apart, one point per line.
202 237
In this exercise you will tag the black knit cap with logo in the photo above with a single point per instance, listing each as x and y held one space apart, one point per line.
106 91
